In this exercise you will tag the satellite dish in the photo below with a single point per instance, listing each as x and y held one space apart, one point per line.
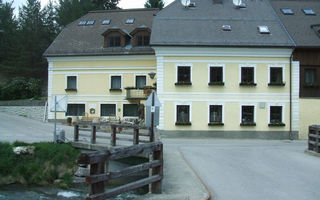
237 2
185 3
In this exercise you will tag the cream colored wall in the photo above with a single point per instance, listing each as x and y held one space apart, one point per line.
309 115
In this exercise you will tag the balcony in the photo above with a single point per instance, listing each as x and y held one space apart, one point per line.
134 93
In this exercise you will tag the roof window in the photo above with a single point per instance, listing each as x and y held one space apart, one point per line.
308 11
263 29
106 22
82 23
226 27
90 22
287 11
130 21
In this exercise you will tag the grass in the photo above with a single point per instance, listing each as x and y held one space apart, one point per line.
49 162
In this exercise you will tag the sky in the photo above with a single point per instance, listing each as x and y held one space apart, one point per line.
122 3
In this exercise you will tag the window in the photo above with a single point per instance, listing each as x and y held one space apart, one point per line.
130 21
226 27
108 109
276 116
308 11
309 77
90 22
75 110
183 75
106 22
247 76
183 115
216 76
263 29
276 76
287 11
114 41
82 23
143 40
71 83
141 81
115 83
215 115
130 110
247 116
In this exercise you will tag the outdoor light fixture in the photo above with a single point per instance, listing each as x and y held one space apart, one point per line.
152 75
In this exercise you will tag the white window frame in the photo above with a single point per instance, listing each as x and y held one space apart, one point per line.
254 66
66 80
100 103
135 78
283 111
184 65
85 107
276 66
254 111
128 117
111 80
217 65
183 104
215 104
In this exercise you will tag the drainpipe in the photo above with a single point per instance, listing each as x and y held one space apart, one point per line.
290 131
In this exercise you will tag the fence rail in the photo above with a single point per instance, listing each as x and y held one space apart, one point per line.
314 138
99 161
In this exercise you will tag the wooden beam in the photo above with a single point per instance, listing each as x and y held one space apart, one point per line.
93 134
97 188
93 158
156 187
113 136
124 172
124 188
136 136
76 133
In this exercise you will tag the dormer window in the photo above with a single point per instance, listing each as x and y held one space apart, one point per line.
114 41
143 40
115 37
141 36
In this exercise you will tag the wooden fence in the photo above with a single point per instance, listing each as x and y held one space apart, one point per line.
113 128
314 138
99 162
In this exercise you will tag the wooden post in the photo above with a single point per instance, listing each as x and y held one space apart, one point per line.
151 134
136 136
76 132
156 187
317 149
113 135
93 134
98 187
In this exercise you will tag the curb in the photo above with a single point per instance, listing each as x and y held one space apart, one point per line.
198 177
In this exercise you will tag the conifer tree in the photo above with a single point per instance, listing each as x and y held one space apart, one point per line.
154 4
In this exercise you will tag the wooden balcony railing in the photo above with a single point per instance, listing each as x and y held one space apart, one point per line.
138 93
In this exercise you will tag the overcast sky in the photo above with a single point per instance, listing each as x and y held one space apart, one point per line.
122 3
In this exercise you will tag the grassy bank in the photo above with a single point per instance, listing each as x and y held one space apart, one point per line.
48 163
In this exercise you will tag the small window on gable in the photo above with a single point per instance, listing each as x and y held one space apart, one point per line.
287 11
263 29
130 21
82 23
216 76
309 77
308 11
90 22
106 22
114 41
183 75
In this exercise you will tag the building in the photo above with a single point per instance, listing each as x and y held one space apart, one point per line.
301 19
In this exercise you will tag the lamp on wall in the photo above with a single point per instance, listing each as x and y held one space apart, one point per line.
152 75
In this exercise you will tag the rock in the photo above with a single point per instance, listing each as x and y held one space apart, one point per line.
57 181
82 172
24 150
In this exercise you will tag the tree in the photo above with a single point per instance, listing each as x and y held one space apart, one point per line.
154 4
105 4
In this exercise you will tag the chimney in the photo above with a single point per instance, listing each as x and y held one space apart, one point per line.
217 1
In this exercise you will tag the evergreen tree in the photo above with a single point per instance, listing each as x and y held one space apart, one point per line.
154 4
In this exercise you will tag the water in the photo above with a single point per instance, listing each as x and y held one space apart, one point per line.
20 192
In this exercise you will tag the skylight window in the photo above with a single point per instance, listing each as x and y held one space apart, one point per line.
226 27
263 29
90 22
82 23
308 11
130 21
287 11
106 22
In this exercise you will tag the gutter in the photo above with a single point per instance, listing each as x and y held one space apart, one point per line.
290 129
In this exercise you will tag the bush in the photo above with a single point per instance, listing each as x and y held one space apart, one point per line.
20 88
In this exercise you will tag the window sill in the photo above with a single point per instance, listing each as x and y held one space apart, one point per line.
276 84
183 83
216 83
115 90
71 90
247 84
215 124
276 124
183 123
248 124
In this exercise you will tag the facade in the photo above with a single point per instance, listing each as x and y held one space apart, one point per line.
301 19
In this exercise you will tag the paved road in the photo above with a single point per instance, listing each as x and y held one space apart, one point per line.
253 169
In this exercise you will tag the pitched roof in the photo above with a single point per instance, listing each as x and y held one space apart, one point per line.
299 24
202 25
77 40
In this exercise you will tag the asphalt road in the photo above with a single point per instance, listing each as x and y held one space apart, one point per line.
253 169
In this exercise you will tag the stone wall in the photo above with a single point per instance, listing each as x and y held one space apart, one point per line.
32 112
